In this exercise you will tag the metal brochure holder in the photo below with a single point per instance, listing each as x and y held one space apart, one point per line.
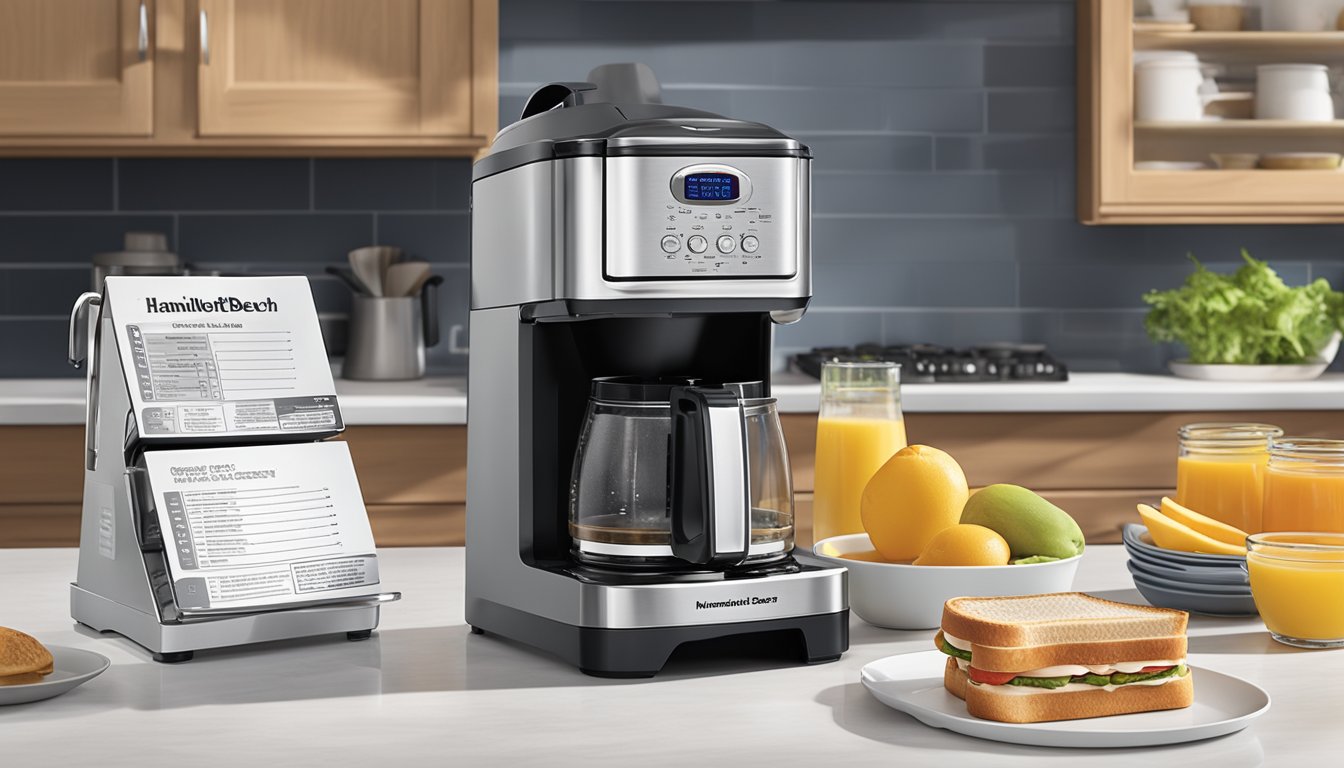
124 583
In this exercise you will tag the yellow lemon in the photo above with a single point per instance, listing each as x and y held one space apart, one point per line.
965 545
918 492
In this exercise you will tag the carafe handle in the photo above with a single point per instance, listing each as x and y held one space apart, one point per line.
708 493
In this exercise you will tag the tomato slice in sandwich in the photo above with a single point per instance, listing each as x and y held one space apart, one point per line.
989 678
1146 670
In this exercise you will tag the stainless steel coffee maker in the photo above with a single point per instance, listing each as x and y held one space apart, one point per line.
628 486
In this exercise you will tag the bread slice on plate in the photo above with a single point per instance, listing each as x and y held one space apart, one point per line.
23 659
1063 656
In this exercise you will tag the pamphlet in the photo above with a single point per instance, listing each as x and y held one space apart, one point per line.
254 526
223 356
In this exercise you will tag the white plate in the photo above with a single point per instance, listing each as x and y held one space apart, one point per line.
72 667
1247 372
913 684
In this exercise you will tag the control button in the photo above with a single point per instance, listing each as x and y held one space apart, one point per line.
671 244
697 244
727 244
750 243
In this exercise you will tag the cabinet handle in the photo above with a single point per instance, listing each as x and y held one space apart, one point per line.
142 40
205 39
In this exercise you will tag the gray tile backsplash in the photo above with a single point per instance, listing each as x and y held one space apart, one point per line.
943 132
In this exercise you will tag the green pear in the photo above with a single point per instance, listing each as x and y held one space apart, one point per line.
1032 526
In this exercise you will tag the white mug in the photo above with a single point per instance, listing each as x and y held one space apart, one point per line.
1169 90
1293 92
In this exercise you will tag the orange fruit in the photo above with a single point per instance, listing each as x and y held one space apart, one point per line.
965 545
918 492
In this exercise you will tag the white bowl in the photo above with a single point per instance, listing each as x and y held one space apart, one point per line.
898 596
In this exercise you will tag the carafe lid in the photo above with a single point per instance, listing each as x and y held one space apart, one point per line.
639 389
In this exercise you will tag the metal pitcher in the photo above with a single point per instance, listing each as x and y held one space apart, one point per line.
388 336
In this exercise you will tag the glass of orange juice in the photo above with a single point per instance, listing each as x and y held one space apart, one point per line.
1220 471
859 427
1297 580
1304 485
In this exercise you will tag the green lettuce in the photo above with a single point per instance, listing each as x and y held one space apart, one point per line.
1249 317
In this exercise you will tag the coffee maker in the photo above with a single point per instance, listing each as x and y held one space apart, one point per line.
627 486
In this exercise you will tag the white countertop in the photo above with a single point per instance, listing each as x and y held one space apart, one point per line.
433 400
1090 392
443 400
425 692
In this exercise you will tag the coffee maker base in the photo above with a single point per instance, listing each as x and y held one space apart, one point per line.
642 652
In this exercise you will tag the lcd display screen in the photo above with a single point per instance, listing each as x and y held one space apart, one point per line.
716 187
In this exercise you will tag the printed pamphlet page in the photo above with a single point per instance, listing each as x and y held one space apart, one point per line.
253 526
223 356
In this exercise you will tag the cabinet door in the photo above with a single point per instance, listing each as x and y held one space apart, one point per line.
76 68
335 67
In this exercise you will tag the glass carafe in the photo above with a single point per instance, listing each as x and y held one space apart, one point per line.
660 462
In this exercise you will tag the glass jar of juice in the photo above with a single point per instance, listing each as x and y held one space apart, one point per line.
1304 485
859 427
1297 580
1220 472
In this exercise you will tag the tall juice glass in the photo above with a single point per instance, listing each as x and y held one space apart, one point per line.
1220 472
860 426
1304 485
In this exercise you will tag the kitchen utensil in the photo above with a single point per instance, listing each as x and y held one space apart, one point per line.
1154 25
371 263
1235 161
1220 372
1171 89
351 280
143 253
1299 92
1300 15
405 279
1214 16
1170 165
1300 161
1136 537
1189 575
1151 574
1166 9
1298 583
388 336
1193 601
902 596
639 493
71 668
913 683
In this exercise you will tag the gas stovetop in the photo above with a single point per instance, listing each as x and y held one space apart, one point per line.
924 363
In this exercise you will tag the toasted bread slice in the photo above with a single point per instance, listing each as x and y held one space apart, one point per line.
954 680
21 654
1015 634
1008 704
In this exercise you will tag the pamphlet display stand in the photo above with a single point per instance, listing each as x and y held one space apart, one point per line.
216 513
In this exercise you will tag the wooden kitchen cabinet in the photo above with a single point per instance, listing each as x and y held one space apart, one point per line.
1110 140
76 68
264 77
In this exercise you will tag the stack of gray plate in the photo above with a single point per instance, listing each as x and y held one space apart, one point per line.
1212 584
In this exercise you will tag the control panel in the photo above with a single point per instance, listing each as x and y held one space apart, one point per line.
668 217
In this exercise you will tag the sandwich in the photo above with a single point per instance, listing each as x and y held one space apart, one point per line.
1063 656
23 660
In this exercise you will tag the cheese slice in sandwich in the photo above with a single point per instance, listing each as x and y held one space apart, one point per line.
1063 656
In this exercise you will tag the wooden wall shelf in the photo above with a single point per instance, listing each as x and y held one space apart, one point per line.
1111 191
